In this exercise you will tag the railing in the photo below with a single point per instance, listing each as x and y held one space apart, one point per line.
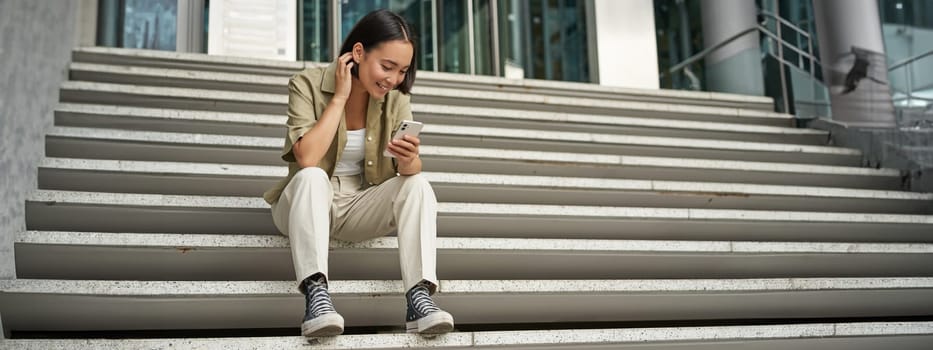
910 100
908 147
778 53
781 22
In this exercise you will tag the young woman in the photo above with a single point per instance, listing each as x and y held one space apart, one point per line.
340 121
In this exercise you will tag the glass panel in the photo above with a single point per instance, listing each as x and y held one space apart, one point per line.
576 61
207 24
482 31
453 36
419 15
109 23
150 24
511 23
680 35
314 26
907 26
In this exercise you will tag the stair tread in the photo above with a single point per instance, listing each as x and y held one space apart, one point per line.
454 287
273 143
581 246
260 119
549 182
427 75
559 338
491 209
655 109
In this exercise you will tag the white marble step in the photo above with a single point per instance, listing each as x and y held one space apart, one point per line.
581 142
126 212
209 98
252 180
162 256
77 142
807 336
238 65
28 304
444 134
252 124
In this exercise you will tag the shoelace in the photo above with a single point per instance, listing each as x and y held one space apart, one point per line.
320 301
422 302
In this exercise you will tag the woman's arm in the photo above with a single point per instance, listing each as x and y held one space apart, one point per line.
313 145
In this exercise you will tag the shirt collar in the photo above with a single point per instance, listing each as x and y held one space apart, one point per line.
329 83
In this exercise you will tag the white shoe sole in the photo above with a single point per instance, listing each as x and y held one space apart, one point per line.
436 323
326 325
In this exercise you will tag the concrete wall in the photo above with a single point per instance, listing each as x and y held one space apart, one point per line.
736 67
36 37
626 44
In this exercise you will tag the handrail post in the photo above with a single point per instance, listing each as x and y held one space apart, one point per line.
780 43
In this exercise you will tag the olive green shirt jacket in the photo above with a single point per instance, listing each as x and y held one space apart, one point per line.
309 92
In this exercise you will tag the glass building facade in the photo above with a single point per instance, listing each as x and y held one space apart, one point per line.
554 40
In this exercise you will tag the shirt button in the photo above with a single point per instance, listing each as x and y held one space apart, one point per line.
370 163
369 138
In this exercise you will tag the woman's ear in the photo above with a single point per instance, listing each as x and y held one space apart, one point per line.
357 52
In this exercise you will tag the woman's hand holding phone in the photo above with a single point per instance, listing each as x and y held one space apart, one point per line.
405 141
406 152
404 146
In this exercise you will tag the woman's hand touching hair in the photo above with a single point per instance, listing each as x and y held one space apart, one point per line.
344 78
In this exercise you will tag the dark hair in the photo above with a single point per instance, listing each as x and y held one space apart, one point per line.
376 28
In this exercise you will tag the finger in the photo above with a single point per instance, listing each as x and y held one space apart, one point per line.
407 146
398 152
412 139
343 58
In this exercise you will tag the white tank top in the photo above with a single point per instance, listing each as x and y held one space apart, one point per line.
351 161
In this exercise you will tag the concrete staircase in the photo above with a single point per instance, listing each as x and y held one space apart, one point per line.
572 216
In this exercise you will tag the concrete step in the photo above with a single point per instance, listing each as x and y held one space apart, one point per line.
175 98
617 124
184 60
256 102
807 336
150 305
236 65
531 139
74 142
252 180
272 125
126 212
139 256
652 146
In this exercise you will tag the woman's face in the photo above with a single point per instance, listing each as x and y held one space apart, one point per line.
382 68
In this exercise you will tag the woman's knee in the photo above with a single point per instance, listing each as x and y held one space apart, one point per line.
417 184
311 174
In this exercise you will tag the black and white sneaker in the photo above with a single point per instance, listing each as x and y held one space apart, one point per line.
423 315
321 320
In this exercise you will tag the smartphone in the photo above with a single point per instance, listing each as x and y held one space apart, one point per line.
408 127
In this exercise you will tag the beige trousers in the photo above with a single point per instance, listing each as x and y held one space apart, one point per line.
313 208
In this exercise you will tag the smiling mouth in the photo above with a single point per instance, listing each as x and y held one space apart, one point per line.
382 86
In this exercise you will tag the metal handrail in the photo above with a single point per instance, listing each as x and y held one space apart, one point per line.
786 22
909 60
814 62
909 92
700 55
792 47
